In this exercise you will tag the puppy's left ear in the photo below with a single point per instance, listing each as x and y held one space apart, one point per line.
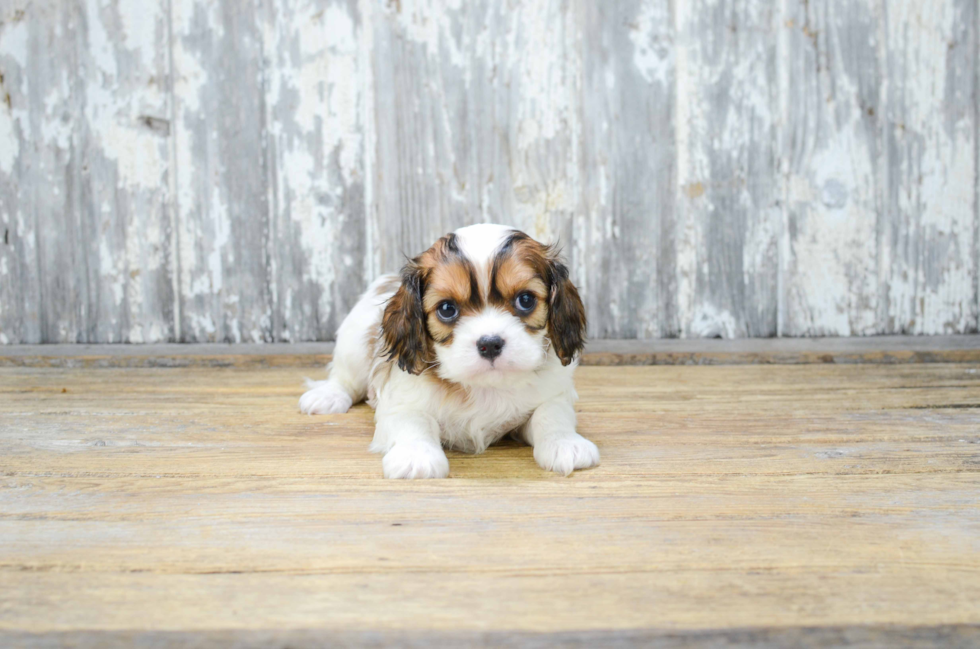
566 313
403 323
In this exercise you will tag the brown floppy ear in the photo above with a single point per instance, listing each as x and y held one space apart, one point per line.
566 314
403 324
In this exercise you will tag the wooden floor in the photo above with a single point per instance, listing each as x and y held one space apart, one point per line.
808 504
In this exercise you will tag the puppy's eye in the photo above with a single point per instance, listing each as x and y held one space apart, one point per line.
526 302
447 311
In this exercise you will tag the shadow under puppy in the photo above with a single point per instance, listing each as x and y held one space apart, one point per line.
478 338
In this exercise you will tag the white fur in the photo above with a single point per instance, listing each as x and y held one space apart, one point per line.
412 448
555 448
352 356
525 391
324 398
461 362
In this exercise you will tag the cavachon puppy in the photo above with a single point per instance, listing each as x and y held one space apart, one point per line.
478 338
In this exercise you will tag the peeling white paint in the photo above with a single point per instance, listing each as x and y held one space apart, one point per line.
690 130
55 130
427 22
711 322
831 273
834 251
221 234
366 106
189 78
13 42
111 270
318 129
652 37
937 169
540 56
9 142
138 155
100 49
139 27
511 114
13 51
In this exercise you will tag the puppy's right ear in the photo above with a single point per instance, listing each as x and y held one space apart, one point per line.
403 324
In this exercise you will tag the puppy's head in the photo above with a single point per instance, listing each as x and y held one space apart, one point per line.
481 305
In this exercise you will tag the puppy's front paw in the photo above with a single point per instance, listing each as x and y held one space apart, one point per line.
325 399
414 460
565 454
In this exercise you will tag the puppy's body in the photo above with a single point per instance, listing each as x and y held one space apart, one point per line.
449 355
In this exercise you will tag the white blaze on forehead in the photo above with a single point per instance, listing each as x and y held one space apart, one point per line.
479 243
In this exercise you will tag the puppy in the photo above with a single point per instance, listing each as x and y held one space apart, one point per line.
478 338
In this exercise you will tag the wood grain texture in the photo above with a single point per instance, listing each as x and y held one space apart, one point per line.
223 178
20 282
930 131
84 129
882 106
727 208
476 119
732 502
834 160
623 237
317 83
238 172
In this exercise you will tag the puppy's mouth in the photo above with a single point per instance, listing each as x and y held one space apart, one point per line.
495 367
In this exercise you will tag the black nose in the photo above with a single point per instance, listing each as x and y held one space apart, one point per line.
490 346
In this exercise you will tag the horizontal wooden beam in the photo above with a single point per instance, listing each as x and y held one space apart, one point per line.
754 351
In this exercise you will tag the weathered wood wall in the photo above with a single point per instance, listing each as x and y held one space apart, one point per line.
238 170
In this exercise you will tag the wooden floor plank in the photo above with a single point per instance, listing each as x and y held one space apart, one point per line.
826 502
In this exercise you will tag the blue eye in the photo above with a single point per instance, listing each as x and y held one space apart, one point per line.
447 311
526 302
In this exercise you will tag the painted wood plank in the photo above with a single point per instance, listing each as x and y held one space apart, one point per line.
124 177
87 124
494 101
623 233
881 212
20 283
318 76
719 168
930 129
223 178
834 160
728 203
476 120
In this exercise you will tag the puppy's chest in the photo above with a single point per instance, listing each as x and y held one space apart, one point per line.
473 428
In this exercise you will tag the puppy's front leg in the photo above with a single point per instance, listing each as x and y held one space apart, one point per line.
557 447
411 446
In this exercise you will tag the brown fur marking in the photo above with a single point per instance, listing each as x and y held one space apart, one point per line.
410 326
520 262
